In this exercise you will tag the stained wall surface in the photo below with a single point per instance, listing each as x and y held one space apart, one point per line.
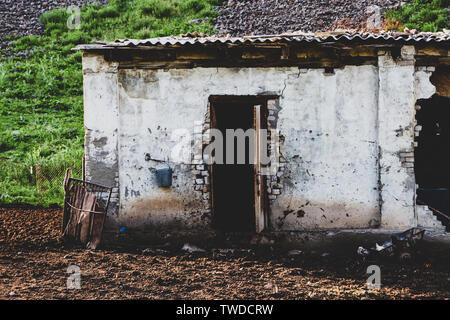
345 136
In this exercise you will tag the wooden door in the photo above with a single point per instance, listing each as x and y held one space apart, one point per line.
260 219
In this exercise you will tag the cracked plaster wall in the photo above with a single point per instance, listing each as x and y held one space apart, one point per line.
342 137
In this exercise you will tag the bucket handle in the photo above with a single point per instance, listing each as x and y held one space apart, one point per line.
149 158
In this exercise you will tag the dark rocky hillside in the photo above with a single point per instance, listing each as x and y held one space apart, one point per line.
236 17
21 17
247 17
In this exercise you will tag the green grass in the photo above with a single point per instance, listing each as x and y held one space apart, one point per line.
41 104
422 15
41 97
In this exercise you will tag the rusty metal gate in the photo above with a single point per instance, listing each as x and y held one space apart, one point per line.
85 209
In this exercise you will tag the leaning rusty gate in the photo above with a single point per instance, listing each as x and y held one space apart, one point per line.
85 209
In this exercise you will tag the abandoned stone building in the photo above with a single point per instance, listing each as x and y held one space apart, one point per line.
358 131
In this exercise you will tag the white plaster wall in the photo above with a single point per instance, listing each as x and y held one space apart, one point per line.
396 133
101 121
400 86
329 122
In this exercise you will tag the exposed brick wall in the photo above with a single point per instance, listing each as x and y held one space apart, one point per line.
407 160
274 185
201 170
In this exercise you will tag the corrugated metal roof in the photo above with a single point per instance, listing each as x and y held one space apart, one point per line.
288 38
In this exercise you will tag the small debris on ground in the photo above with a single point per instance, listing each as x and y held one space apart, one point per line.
191 248
147 251
271 286
401 244
362 251
224 251
150 251
295 252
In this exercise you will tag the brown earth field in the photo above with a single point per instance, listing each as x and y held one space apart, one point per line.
34 262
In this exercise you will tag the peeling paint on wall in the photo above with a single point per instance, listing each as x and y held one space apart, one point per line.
346 141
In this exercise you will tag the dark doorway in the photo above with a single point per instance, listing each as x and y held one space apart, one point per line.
233 185
432 155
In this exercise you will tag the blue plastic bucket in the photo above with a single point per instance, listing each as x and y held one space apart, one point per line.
164 177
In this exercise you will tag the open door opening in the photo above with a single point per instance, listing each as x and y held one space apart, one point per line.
238 193
432 156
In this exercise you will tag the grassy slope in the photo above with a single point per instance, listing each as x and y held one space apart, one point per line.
41 103
423 15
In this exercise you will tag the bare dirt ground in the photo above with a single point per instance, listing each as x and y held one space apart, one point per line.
34 262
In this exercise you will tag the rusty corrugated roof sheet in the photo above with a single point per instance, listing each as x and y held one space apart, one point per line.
288 38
